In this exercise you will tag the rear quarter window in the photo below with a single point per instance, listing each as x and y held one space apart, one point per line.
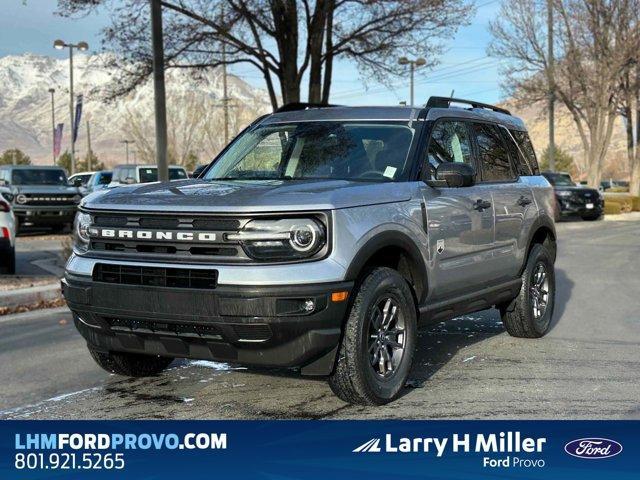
526 147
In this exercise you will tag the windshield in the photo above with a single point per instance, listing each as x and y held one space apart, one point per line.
559 179
305 150
151 174
39 176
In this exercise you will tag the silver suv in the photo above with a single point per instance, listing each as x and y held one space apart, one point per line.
320 239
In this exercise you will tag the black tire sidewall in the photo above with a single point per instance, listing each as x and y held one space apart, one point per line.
394 286
539 254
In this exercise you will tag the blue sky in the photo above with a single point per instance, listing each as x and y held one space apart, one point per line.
31 26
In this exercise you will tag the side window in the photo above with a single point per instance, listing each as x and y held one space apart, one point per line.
492 153
449 143
524 142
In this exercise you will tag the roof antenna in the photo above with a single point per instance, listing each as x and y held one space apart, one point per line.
452 92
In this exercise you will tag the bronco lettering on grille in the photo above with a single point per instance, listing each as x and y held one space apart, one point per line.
160 235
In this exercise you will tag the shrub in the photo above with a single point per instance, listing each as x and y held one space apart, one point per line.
618 190
635 203
625 201
612 208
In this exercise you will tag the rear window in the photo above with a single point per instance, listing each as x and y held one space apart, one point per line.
526 147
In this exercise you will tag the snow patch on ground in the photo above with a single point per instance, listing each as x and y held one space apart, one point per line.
219 366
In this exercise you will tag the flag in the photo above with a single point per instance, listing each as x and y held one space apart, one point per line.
76 121
57 139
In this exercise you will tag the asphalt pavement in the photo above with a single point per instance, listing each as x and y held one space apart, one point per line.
588 366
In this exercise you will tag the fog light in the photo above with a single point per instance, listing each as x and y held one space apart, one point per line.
309 306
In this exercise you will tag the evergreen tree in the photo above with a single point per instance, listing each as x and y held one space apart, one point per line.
563 161
14 155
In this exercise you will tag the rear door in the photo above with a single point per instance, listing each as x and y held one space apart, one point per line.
512 197
459 220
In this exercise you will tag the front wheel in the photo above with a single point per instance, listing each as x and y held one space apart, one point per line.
529 314
378 342
130 364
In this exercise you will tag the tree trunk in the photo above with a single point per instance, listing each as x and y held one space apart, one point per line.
634 184
328 61
285 19
316 36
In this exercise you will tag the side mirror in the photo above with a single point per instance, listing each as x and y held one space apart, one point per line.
454 175
77 182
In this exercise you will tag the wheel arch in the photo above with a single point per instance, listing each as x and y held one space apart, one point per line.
543 232
395 250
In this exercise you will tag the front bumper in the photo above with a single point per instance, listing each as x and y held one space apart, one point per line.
45 215
571 207
251 325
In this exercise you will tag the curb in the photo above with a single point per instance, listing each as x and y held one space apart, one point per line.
31 295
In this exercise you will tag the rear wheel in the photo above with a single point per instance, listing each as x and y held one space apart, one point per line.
529 314
379 340
130 364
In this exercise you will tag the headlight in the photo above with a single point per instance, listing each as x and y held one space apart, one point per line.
77 198
286 239
563 193
81 231
21 199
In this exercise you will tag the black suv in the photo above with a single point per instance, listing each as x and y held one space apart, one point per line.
576 200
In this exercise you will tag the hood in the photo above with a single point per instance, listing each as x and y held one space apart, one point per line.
246 196
44 189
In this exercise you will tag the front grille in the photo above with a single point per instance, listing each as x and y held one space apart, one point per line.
149 326
49 200
166 250
155 276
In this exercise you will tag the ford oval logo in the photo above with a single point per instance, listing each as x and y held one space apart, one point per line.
593 448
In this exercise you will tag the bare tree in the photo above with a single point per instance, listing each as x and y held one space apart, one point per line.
593 55
283 39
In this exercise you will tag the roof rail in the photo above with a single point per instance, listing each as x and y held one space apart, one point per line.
445 102
291 107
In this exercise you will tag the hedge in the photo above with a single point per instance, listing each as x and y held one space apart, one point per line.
624 200
612 208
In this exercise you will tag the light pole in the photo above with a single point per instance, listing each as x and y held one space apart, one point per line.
126 144
159 90
82 46
413 64
52 91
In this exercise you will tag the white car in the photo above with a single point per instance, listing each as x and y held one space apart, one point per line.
132 174
7 234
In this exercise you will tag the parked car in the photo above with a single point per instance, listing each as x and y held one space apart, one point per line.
319 240
89 182
42 196
576 200
608 184
198 170
132 174
7 233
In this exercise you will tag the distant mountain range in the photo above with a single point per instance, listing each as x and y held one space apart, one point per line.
25 104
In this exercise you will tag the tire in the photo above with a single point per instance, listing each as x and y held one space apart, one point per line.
130 364
591 218
9 267
355 379
518 316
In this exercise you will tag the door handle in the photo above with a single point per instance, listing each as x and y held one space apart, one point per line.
481 204
524 201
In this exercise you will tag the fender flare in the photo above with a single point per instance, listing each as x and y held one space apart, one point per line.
543 221
390 239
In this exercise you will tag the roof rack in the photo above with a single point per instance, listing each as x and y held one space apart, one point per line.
445 102
291 107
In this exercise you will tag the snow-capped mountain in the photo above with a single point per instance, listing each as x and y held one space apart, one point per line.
25 105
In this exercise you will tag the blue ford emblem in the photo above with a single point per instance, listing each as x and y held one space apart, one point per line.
593 448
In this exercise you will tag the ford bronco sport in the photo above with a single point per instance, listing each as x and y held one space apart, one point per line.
320 239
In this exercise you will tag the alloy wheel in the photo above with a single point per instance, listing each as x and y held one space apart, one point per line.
386 337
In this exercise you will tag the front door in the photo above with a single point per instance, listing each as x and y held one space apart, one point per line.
460 222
